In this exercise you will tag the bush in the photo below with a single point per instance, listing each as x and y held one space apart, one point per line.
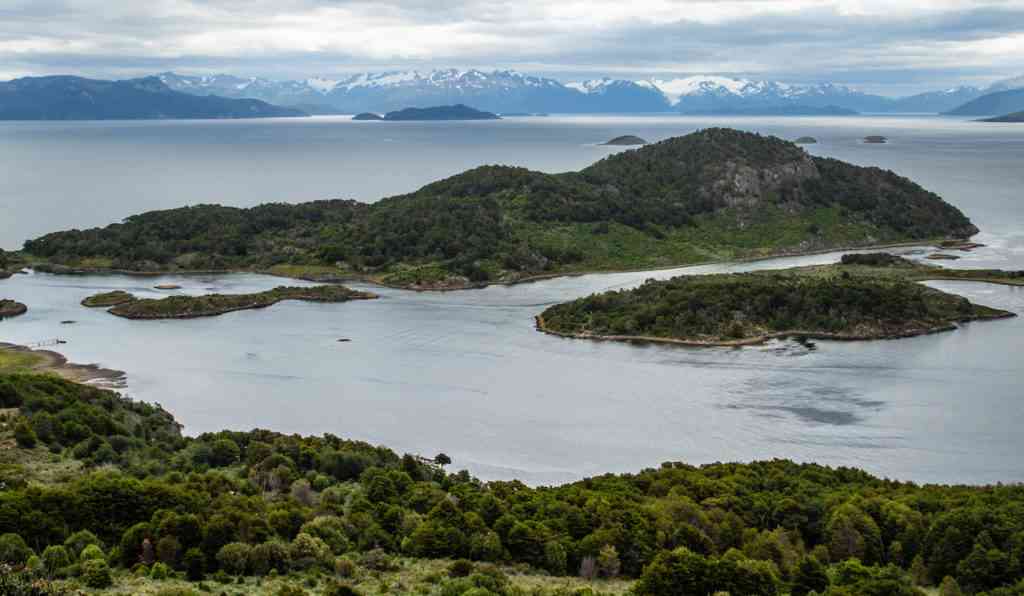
55 557
460 568
267 557
13 549
194 563
24 435
159 571
234 557
77 542
91 552
96 573
309 550
344 567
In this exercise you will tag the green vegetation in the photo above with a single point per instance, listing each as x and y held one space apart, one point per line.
187 307
715 194
10 308
107 299
864 297
143 508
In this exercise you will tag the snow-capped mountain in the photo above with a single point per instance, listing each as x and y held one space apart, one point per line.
506 91
717 94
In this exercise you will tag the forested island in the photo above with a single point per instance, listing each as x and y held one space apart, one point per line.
190 307
455 112
1014 117
98 491
714 195
870 296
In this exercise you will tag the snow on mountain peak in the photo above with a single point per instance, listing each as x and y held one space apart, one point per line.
675 89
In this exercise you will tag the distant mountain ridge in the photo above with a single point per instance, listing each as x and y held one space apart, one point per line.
77 98
509 91
1000 102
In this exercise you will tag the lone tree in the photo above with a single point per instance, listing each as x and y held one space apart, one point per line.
442 460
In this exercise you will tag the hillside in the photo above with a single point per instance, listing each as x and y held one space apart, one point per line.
1002 102
711 195
1014 117
866 297
76 98
104 493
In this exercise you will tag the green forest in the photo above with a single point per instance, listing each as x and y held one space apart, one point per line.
102 493
713 194
865 296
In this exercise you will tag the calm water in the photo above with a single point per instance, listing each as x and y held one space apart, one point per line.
465 372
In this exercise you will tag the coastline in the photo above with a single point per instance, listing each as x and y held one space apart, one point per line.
541 326
342 277
56 363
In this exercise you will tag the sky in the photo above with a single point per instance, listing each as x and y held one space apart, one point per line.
892 47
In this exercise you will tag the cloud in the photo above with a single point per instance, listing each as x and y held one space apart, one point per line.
864 41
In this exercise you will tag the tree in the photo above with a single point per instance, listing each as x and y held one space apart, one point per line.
555 558
55 557
234 557
13 549
96 573
676 573
608 565
194 563
949 587
442 459
24 435
810 577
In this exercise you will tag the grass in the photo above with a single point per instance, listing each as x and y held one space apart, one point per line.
413 576
19 361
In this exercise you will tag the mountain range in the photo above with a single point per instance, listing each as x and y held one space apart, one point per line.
77 98
508 91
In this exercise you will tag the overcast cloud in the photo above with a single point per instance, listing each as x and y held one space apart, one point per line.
888 46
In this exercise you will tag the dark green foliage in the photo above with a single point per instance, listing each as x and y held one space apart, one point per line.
24 435
185 307
20 582
96 573
13 549
739 306
477 222
761 528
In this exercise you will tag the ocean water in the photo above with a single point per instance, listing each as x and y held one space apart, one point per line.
465 372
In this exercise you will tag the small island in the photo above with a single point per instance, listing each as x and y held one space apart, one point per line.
455 112
367 116
806 141
107 299
626 140
876 139
11 308
864 297
190 307
1014 117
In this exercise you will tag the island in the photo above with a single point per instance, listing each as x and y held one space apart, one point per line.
11 308
713 195
455 112
872 296
77 98
806 141
108 299
190 307
875 139
626 140
1014 117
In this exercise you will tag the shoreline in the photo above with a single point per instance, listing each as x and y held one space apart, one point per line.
541 326
226 310
342 277
58 364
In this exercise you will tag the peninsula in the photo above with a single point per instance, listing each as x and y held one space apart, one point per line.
191 307
714 195
864 297
1014 117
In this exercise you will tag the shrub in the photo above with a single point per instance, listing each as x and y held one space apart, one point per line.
55 557
96 573
167 549
13 549
330 529
234 557
24 435
555 558
159 571
194 563
378 560
267 557
91 552
344 567
77 542
460 568
608 564
309 550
